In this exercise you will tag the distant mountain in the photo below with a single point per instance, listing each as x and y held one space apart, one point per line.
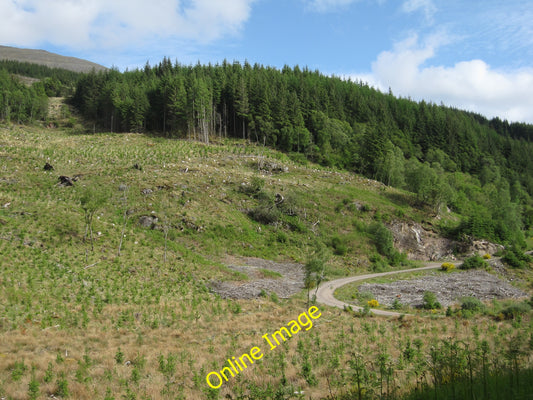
51 60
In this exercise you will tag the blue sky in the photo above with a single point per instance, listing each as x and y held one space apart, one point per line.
471 54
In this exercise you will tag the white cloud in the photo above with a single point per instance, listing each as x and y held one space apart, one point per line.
471 85
108 24
426 6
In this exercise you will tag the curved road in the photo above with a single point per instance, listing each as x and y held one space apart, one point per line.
324 294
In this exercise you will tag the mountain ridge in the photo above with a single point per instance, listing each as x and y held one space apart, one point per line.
52 60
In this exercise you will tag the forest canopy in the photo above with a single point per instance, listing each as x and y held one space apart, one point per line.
26 101
19 102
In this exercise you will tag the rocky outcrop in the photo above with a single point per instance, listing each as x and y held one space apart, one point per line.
148 221
483 247
419 243
425 245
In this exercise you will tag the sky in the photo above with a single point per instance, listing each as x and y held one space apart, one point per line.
470 54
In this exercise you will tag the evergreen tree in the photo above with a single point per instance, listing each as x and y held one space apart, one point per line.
443 155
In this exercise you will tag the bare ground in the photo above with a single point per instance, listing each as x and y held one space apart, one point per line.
449 288
290 282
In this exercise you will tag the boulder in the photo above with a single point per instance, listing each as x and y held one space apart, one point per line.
148 221
483 247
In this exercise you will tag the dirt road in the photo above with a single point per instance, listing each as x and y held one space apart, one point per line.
325 293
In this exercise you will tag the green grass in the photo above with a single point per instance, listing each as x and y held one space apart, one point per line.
266 273
67 310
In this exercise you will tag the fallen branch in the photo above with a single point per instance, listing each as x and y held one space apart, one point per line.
92 265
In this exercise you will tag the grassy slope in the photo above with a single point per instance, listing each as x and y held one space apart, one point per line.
49 59
68 309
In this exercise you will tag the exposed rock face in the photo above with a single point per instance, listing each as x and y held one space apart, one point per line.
483 247
419 243
424 245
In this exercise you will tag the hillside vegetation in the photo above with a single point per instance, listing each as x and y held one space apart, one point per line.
113 243
25 89
480 169
96 304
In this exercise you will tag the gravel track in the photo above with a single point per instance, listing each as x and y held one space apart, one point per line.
447 287
326 291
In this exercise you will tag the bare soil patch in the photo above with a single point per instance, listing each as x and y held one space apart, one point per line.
449 288
290 282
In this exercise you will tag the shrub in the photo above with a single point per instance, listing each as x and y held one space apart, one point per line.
119 356
383 239
299 158
516 258
396 304
365 208
514 310
265 214
49 374
339 248
62 387
264 197
296 225
474 262
19 368
235 308
365 296
430 301
448 267
373 303
398 259
274 297
281 237
33 388
378 264
472 304
255 187
365 311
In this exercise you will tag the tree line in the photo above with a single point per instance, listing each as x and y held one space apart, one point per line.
57 81
21 103
480 168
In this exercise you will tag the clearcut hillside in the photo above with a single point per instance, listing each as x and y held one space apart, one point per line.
113 245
